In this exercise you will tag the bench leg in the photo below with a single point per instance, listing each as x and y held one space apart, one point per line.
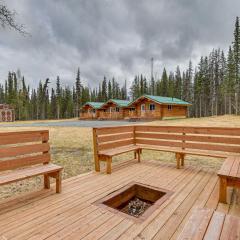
139 155
109 165
97 164
46 181
182 159
135 154
59 182
222 190
178 159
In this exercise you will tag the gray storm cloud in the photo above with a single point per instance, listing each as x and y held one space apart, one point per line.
112 37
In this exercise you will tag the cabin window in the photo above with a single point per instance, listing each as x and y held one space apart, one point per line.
93 110
117 109
152 107
170 107
132 109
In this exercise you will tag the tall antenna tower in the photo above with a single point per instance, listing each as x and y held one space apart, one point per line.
152 78
152 68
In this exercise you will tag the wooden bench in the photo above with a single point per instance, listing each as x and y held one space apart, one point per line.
229 176
27 155
203 141
113 141
208 224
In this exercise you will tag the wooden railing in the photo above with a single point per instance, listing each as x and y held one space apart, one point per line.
87 115
144 114
111 115
132 114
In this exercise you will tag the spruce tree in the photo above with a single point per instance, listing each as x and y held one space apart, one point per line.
178 83
230 80
164 84
58 97
78 87
171 85
236 53
109 90
53 105
104 94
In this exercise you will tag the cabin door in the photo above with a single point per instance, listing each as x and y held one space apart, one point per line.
110 111
143 107
94 113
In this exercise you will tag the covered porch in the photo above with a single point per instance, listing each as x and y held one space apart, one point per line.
90 110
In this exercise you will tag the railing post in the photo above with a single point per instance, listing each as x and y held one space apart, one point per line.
46 177
183 141
134 141
134 135
183 148
95 146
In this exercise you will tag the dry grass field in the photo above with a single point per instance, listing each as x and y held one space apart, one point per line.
71 147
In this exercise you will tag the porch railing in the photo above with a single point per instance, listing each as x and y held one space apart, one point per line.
111 115
145 114
87 115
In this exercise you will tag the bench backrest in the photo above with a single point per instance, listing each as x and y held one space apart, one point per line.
105 138
198 138
19 149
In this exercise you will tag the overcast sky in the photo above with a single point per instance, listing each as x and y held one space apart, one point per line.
112 37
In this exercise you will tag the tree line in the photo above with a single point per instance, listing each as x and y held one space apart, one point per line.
56 102
213 88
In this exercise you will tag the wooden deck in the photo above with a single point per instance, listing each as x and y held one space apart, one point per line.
72 214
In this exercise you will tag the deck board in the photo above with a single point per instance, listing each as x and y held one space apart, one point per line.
73 214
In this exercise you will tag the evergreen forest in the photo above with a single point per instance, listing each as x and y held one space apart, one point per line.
213 88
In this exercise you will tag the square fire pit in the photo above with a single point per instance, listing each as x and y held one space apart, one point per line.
135 200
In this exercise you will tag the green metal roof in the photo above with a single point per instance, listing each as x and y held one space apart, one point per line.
165 100
120 103
96 105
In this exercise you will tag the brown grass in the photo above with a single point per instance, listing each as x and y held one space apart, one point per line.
71 147
39 121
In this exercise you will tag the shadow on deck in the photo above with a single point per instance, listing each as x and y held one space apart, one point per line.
72 214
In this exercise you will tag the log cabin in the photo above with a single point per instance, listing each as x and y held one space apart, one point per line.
114 109
7 113
157 107
90 110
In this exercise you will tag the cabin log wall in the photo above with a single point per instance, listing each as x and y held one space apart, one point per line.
161 111
87 112
109 112
177 111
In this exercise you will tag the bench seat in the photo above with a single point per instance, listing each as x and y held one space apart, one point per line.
21 174
106 155
180 150
118 151
210 225
230 168
229 176
180 153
